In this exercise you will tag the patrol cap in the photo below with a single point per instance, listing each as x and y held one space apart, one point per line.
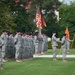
64 34
4 31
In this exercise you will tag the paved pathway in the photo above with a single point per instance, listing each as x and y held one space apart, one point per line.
51 56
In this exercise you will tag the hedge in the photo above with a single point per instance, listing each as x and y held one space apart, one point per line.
72 45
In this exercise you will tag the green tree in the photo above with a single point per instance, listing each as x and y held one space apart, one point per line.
67 19
24 22
6 20
22 17
15 16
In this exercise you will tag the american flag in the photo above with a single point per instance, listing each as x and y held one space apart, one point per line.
43 22
39 19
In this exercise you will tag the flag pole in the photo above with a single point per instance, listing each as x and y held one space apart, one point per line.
39 30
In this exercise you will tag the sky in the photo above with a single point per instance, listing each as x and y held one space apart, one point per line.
67 1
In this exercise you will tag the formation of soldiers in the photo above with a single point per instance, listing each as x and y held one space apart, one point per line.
21 46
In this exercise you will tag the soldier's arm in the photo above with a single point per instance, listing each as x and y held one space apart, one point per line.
70 40
2 37
15 39
62 41
56 39
1 42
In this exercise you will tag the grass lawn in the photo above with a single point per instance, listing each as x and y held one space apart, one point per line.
39 66
59 51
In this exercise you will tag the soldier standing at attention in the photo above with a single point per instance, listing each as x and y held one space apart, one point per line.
46 43
10 53
40 39
4 38
36 43
54 45
18 45
63 47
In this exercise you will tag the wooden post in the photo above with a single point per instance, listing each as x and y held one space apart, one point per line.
39 30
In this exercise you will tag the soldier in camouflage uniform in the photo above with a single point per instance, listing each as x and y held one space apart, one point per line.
54 45
36 43
40 39
31 45
10 54
45 43
18 45
4 37
24 46
64 44
27 47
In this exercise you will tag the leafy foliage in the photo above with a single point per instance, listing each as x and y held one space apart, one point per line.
67 19
6 20
14 16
